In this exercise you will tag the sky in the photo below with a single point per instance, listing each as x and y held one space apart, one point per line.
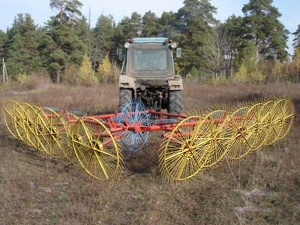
40 10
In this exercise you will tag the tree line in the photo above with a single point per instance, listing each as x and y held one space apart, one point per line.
67 49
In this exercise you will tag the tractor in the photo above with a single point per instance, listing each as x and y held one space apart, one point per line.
148 75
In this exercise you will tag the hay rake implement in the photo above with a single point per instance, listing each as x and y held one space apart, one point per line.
190 143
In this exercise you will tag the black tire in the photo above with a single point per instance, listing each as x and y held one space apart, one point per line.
175 102
125 97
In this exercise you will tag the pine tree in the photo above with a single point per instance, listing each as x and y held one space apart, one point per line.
296 40
103 35
261 25
233 27
64 47
3 44
68 10
150 25
128 28
168 25
84 33
22 54
195 19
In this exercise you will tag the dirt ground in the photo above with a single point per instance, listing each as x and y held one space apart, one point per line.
262 188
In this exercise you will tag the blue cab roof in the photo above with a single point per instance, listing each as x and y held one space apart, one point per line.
150 40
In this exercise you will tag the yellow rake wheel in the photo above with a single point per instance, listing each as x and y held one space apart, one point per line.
242 138
51 131
31 113
218 135
8 112
284 113
96 149
185 150
23 124
267 113
257 123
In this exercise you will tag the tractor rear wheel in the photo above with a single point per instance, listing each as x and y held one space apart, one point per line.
175 102
125 97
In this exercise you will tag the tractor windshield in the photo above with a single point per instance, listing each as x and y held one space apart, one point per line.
143 60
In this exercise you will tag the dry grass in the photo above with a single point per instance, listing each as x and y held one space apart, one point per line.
262 188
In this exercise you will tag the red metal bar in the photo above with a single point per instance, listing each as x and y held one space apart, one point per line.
163 121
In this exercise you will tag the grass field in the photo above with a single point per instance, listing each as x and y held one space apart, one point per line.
262 188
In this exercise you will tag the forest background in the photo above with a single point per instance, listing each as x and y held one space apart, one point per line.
252 47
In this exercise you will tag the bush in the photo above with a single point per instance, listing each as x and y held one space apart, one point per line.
83 76
70 77
33 81
24 80
40 81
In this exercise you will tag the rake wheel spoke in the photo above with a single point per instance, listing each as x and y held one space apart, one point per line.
184 151
96 149
52 127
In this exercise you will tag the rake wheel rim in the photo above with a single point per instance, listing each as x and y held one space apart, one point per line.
8 117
